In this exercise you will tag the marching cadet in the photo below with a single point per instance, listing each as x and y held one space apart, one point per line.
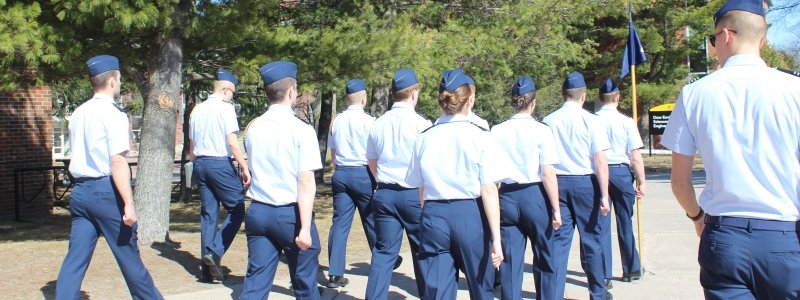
214 138
352 180
582 174
623 155
529 196
101 201
395 204
283 154
454 163
743 120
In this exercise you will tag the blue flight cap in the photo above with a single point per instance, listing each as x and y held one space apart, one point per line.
277 70
453 79
609 86
403 78
756 7
469 79
223 74
355 86
573 81
102 63
523 86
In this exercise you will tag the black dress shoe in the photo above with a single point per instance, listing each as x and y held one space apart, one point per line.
397 262
337 281
609 285
212 261
633 276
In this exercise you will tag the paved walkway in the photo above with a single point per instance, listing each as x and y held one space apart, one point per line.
670 260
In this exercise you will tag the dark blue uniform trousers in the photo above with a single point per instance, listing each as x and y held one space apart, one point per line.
395 208
455 233
352 189
525 213
270 230
622 194
744 258
96 209
579 197
218 184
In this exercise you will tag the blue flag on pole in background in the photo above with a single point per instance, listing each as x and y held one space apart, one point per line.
634 53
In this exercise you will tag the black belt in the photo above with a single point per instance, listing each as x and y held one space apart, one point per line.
757 224
576 176
450 200
393 186
214 157
87 179
273 205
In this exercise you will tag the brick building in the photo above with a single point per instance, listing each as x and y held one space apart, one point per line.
26 140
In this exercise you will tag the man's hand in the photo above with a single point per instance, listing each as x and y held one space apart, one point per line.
303 239
556 220
699 225
129 215
604 206
641 189
245 173
497 254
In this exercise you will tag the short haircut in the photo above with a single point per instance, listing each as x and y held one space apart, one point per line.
100 80
749 27
219 85
453 102
405 93
276 91
355 96
608 97
574 94
519 102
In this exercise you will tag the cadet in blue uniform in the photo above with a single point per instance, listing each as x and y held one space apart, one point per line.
352 180
743 120
582 174
395 203
214 138
101 201
529 196
623 155
454 163
283 154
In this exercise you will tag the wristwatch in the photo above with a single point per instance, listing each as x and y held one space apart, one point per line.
699 215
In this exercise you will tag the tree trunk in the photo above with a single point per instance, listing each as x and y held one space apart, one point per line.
380 101
323 128
157 148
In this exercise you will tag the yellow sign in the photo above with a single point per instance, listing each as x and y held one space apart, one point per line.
664 107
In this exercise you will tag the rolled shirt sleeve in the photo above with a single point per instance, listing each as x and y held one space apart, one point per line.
309 158
117 133
547 152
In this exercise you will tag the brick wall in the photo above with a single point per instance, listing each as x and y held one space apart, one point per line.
26 140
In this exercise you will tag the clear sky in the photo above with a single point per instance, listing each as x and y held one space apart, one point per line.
784 30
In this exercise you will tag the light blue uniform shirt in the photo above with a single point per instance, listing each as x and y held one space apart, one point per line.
97 130
210 124
528 145
349 135
279 147
579 134
454 159
472 117
391 142
623 136
744 119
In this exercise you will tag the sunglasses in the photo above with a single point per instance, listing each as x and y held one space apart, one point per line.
713 38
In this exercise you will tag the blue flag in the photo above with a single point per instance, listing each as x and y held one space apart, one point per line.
634 53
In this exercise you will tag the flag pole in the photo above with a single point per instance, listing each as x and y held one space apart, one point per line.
636 121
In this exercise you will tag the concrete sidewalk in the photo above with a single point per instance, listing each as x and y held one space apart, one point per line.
670 260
